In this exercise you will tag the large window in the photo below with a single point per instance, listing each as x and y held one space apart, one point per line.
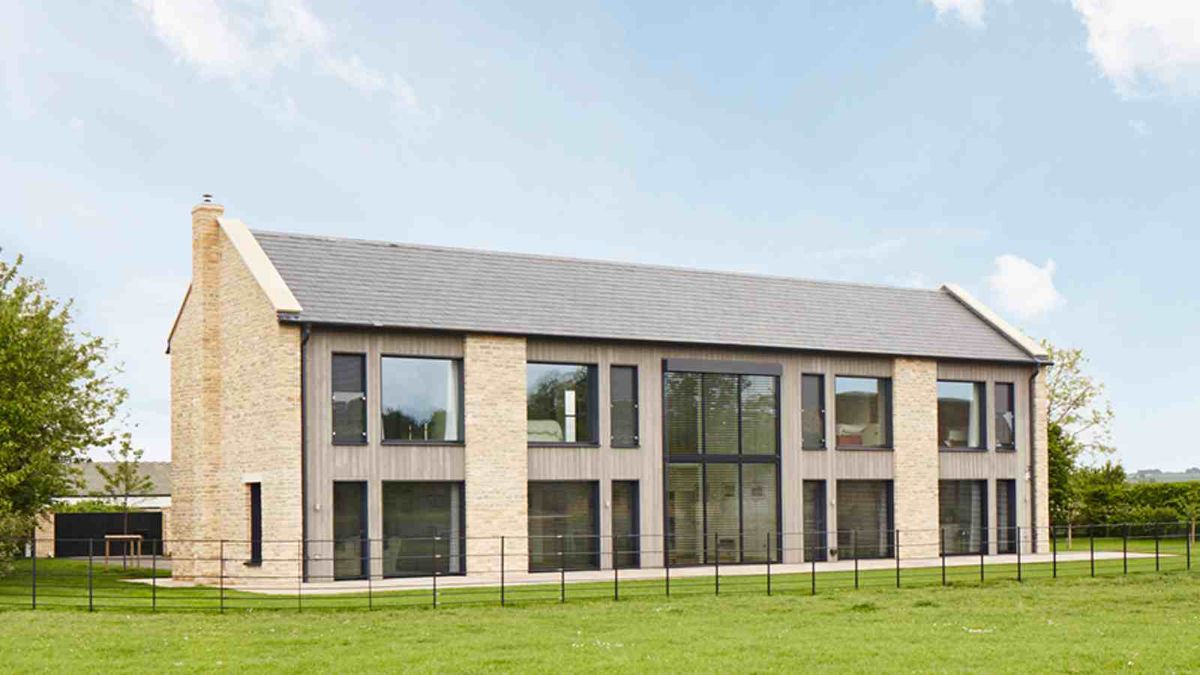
423 529
864 519
722 464
564 525
962 505
351 548
815 538
625 527
349 376
561 403
812 412
623 393
1006 416
1006 516
961 415
721 414
421 399
863 407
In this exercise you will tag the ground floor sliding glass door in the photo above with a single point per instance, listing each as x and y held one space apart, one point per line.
423 528
962 506
721 458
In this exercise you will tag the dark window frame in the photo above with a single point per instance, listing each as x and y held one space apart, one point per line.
593 390
889 444
594 563
366 431
981 385
824 412
891 550
637 415
254 494
462 411
364 537
462 524
703 459
985 517
635 552
1012 400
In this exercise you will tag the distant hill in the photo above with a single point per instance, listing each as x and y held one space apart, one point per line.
1160 476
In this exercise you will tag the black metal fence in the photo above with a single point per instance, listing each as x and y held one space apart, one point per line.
220 575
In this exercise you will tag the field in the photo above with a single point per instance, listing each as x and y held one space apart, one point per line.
1146 620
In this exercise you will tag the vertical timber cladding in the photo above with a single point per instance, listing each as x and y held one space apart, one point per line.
497 454
914 393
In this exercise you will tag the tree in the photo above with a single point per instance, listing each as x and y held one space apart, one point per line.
57 400
1077 402
1063 458
125 479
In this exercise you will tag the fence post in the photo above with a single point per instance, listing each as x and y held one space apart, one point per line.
300 553
562 572
91 605
667 562
433 558
33 579
942 551
501 570
616 580
812 574
717 563
1187 539
1125 550
982 555
221 554
1019 554
370 583
1156 539
896 543
1092 549
854 553
768 564
1053 552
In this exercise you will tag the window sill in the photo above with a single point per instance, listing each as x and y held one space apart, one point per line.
253 563
869 448
1012 451
564 445
402 442
350 443
967 450
625 447
821 449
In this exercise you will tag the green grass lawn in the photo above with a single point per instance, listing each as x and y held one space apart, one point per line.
1145 620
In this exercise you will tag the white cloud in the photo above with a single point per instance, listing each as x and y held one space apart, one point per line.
1024 289
969 12
1144 46
1139 127
258 38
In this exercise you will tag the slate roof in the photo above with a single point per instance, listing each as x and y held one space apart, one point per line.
369 283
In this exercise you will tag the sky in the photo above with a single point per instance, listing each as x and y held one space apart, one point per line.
1042 154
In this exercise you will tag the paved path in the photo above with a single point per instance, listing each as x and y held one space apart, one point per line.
511 578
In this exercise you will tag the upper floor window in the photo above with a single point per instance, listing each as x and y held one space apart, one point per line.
1006 416
421 399
561 403
349 377
812 412
961 414
863 409
721 414
624 406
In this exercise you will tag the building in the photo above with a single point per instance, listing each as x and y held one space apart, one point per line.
91 487
338 400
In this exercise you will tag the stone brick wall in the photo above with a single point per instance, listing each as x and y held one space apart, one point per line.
235 379
1041 460
44 533
914 405
497 455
